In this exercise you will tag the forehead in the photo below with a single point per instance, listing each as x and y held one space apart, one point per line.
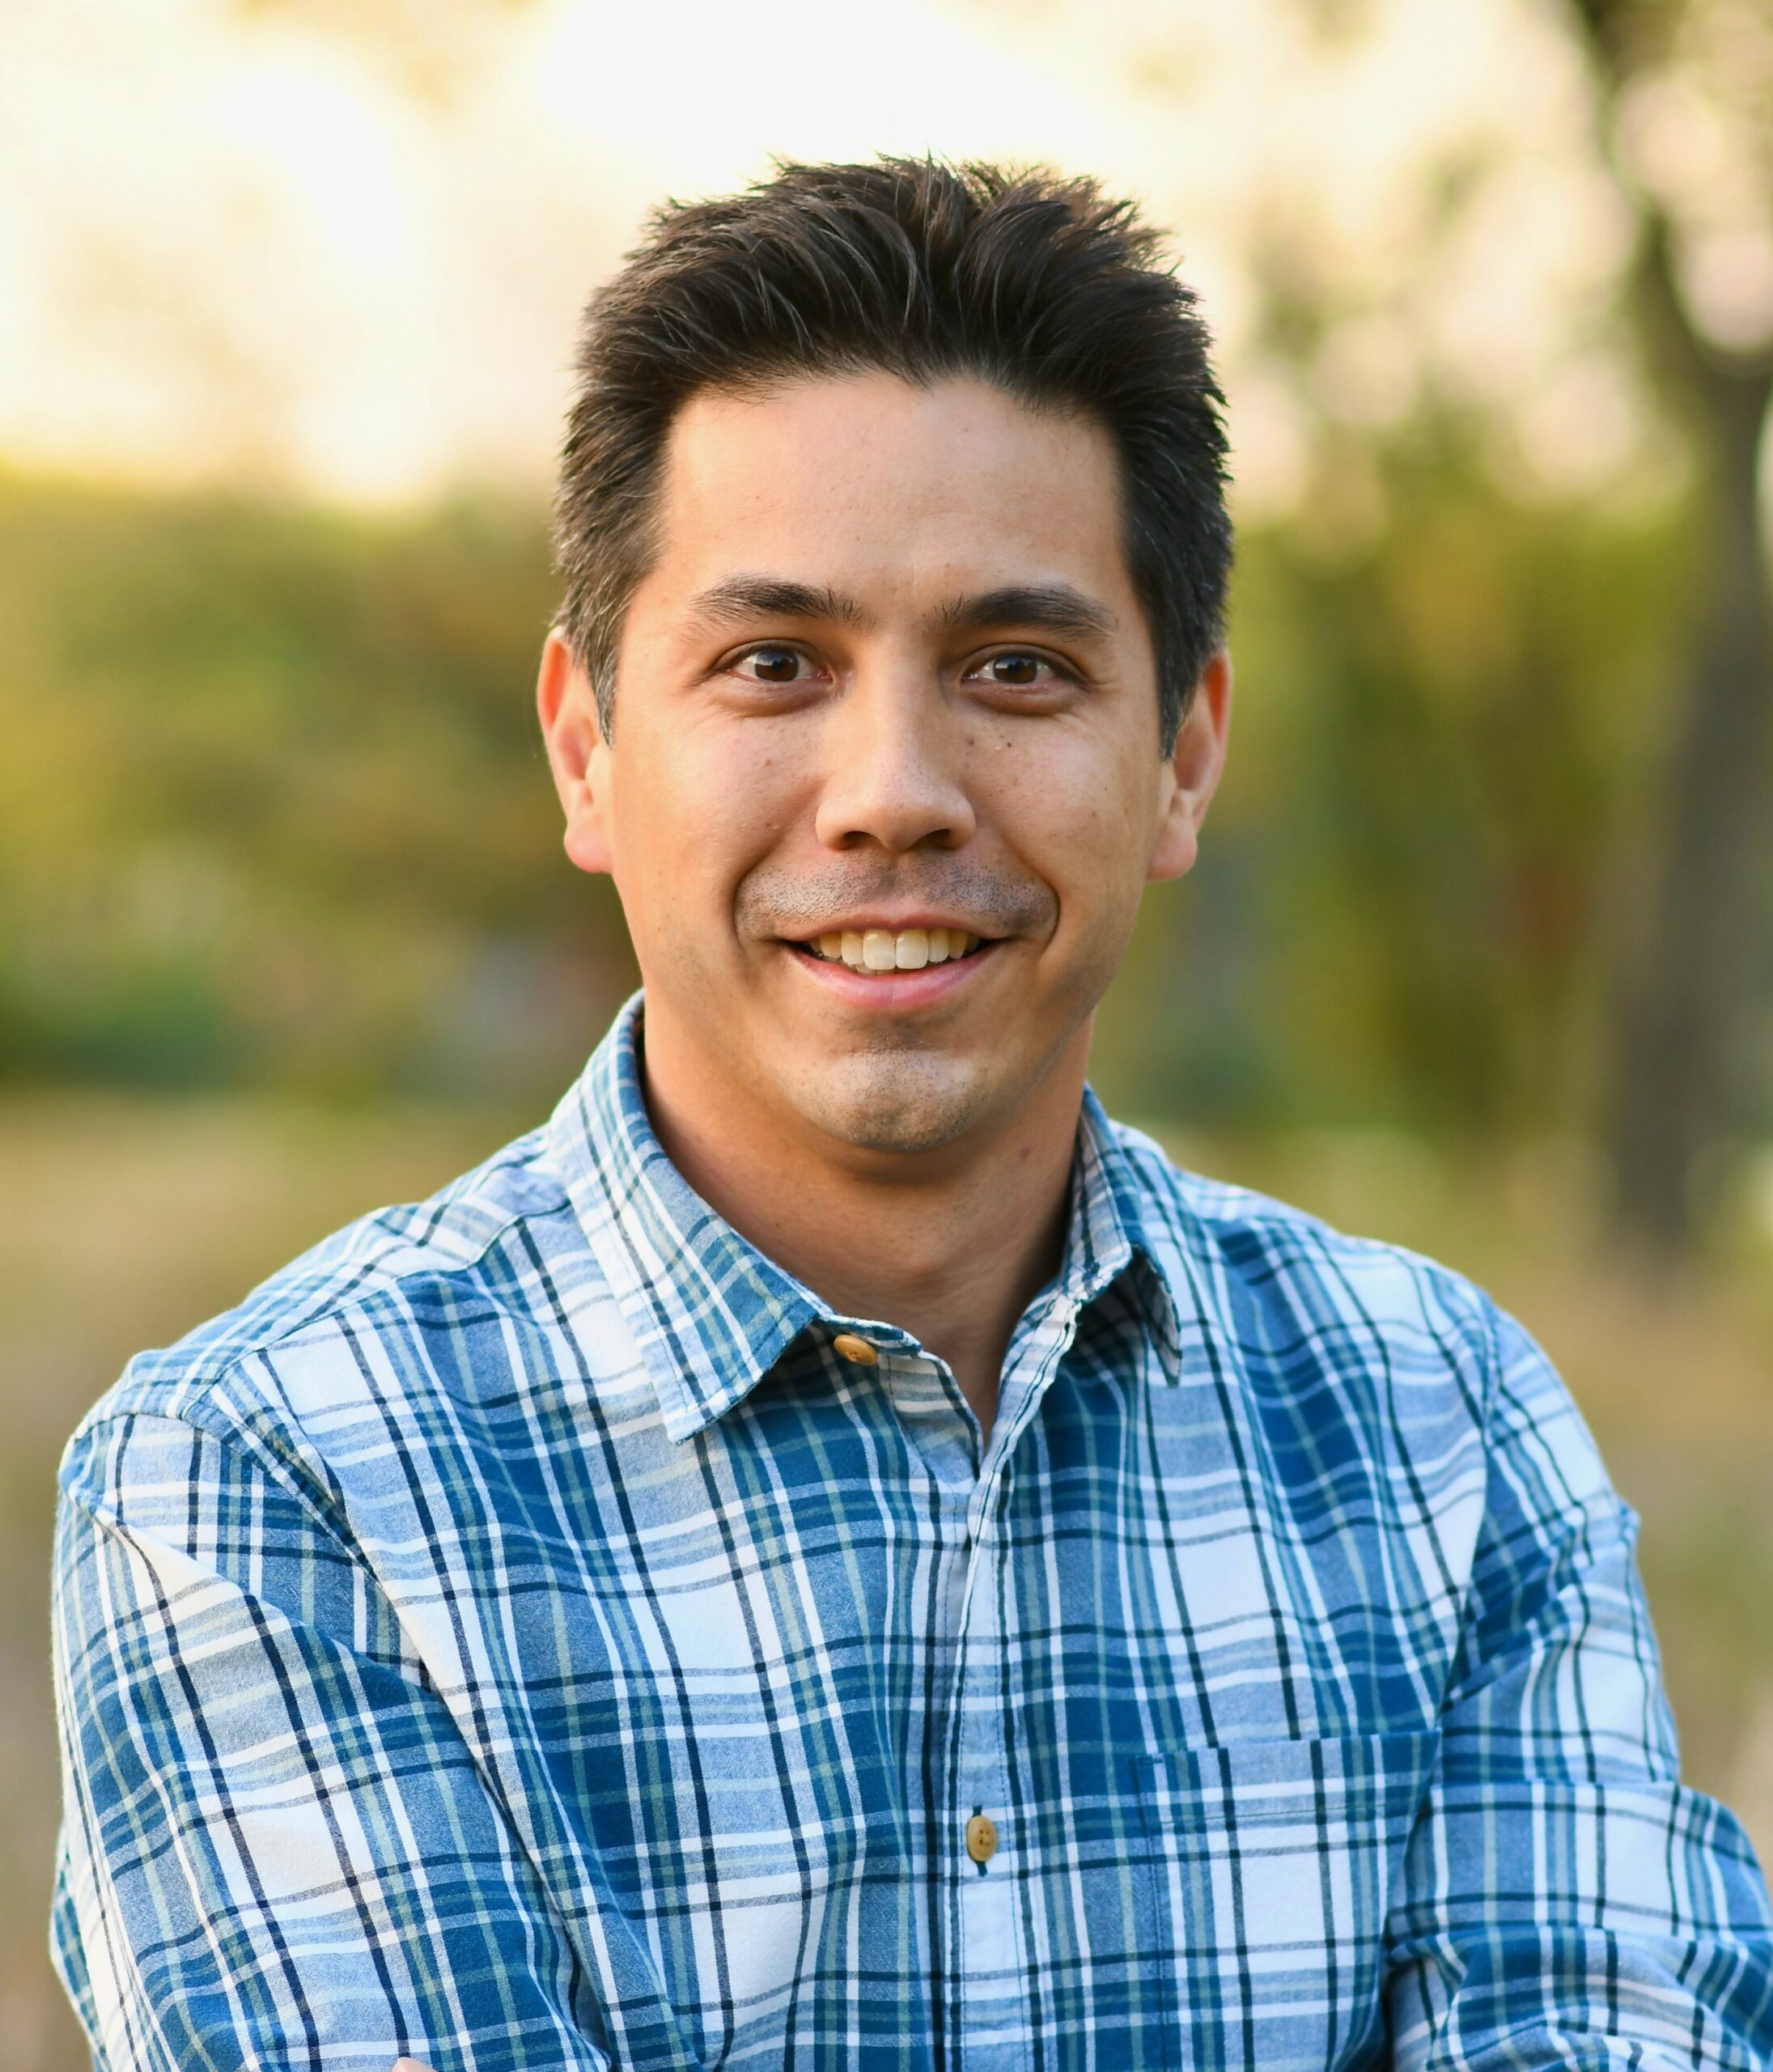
890 490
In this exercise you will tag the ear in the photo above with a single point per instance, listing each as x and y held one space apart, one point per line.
577 752
1191 775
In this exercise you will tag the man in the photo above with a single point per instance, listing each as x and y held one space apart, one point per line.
831 1553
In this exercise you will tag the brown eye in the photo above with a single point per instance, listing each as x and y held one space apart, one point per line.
773 664
1018 671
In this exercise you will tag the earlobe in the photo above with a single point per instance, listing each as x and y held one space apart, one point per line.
1178 843
585 841
1191 775
566 706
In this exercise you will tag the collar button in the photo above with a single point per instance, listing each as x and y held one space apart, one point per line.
857 1351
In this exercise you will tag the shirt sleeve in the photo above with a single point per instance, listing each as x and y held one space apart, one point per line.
1564 1900
277 1850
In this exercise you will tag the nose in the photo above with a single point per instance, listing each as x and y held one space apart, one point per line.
894 773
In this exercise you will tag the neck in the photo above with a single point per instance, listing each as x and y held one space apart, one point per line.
950 1246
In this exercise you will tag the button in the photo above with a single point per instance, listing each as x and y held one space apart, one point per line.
980 1838
857 1351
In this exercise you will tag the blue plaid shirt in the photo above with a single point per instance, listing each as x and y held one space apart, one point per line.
516 1637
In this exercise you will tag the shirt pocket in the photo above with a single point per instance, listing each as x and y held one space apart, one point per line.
1271 1865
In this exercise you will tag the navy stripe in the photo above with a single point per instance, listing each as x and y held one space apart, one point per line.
515 1637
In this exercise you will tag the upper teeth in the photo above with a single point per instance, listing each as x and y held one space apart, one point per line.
906 950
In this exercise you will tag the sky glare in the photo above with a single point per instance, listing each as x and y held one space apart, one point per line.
265 243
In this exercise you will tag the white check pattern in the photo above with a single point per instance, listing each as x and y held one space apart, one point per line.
513 1637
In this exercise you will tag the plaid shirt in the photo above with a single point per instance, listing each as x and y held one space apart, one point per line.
515 1636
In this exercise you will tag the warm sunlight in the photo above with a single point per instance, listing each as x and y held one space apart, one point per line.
290 243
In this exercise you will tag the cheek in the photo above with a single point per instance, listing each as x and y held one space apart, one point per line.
1085 822
695 812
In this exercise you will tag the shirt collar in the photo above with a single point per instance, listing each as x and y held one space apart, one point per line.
710 1314
1109 1241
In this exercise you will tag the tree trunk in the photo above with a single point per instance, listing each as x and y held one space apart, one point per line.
1692 953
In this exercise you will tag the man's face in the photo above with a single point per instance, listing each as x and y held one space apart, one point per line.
886 688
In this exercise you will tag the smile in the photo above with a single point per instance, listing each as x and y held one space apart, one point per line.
882 950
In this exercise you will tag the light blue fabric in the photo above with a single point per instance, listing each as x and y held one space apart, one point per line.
515 1637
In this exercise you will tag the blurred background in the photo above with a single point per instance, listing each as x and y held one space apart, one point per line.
1477 956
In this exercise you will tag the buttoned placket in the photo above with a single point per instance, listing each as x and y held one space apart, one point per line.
985 1965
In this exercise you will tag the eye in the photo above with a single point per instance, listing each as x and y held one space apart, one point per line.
1016 669
773 662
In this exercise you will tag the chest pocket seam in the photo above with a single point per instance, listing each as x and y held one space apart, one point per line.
1271 1863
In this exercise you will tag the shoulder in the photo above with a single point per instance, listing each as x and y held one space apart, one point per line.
363 1301
1278 1284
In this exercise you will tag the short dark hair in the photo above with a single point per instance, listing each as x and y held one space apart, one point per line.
1039 284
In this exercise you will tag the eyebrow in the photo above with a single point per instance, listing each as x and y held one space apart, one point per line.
1053 607
742 598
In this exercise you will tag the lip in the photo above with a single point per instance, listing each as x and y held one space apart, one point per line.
900 990
892 923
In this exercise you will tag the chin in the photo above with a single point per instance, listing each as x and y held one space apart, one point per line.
893 1101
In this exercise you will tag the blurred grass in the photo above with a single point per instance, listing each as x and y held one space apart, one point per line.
124 1219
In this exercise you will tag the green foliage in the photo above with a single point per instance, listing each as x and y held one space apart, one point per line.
1413 865
273 811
